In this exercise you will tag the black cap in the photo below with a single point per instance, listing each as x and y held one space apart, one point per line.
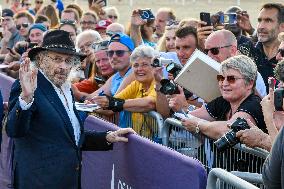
7 12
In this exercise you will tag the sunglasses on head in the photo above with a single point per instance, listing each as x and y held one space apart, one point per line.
112 17
281 51
118 53
172 22
100 45
230 78
215 50
24 25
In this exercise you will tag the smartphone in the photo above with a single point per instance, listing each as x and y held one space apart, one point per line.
205 16
278 99
271 82
146 14
32 44
228 19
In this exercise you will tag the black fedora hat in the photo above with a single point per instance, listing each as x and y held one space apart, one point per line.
57 41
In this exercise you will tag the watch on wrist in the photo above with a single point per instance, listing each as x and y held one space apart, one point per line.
197 128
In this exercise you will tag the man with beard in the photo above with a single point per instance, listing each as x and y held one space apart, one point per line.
270 24
44 123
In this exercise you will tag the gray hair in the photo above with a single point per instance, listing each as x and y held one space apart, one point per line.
143 51
91 34
243 64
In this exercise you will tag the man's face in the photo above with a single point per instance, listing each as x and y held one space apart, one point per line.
103 64
8 22
88 22
70 30
280 53
161 22
119 62
68 16
23 26
185 46
36 36
217 41
85 45
56 66
268 27
27 4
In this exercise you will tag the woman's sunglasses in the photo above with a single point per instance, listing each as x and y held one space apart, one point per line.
230 78
39 2
118 53
112 17
24 25
215 50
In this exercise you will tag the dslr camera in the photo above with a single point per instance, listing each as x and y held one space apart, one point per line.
229 139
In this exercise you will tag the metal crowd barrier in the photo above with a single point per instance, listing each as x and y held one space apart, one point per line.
148 125
217 177
238 158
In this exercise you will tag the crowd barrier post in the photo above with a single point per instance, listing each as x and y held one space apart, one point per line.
227 178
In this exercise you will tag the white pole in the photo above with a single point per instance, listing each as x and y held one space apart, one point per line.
130 3
238 2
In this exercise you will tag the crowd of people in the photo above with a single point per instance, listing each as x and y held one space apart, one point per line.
58 53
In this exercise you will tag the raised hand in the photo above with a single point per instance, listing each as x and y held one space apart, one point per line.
244 22
6 34
136 20
28 80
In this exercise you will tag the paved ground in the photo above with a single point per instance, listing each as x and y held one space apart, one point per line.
191 8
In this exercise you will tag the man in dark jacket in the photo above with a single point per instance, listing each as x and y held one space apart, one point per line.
48 133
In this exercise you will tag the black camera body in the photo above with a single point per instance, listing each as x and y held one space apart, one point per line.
99 80
174 68
278 99
230 139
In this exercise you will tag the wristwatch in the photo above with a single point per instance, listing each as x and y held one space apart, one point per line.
197 129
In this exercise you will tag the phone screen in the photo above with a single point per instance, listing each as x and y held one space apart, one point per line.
146 14
205 16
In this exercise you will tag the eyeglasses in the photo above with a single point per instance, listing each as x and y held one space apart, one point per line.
70 22
112 17
87 22
100 45
230 78
24 25
118 53
144 65
27 4
39 2
172 22
215 50
281 51
59 60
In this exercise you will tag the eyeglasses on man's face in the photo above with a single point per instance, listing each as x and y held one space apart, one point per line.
24 25
119 53
215 50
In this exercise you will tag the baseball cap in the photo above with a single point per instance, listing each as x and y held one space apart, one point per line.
103 24
7 12
123 39
38 26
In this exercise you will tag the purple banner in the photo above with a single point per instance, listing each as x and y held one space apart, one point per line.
139 164
5 86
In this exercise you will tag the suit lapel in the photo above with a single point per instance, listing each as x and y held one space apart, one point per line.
50 93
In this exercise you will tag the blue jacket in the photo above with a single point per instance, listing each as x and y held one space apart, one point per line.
45 154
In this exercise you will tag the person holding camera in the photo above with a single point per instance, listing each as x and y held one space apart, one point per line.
272 108
140 95
236 82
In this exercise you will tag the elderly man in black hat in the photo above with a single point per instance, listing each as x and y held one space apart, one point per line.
47 131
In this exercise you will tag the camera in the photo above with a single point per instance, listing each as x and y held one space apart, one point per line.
278 99
146 14
174 68
228 19
230 139
159 62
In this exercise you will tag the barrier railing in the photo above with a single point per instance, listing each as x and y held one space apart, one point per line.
238 158
148 125
229 179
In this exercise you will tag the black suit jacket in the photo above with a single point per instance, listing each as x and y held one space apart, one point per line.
46 155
